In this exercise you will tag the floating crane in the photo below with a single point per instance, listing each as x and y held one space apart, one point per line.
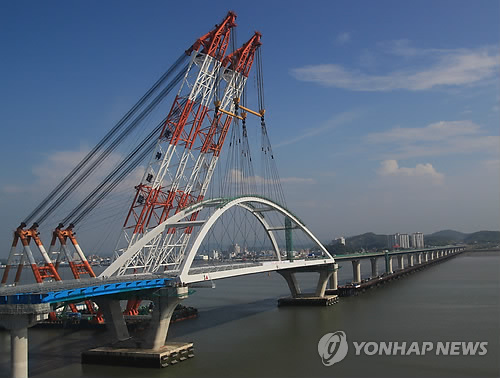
184 149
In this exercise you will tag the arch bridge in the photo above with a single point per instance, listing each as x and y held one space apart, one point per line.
177 257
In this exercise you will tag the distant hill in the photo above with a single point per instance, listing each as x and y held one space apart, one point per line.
368 240
445 237
371 241
449 234
483 237
452 237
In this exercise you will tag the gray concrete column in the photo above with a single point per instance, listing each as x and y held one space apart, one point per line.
165 301
113 314
17 318
334 278
388 265
356 271
324 275
19 352
419 258
410 259
292 282
401 261
373 261
426 256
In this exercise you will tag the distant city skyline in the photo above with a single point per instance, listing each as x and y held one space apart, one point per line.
383 115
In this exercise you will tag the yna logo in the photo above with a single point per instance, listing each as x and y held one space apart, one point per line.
333 347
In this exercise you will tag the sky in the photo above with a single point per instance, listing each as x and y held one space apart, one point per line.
383 115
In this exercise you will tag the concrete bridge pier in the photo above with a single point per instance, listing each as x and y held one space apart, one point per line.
373 261
401 261
334 278
388 263
410 259
113 314
165 301
149 350
356 271
17 318
320 296
419 258
291 281
426 256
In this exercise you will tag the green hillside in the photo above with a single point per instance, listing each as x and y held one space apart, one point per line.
371 241
481 237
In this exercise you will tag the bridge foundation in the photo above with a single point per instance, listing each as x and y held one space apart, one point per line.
319 297
149 350
17 318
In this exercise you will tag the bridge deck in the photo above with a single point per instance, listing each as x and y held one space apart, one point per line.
74 290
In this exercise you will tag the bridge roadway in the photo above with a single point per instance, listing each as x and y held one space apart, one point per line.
77 290
357 256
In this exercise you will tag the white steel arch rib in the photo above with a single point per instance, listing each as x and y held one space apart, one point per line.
223 205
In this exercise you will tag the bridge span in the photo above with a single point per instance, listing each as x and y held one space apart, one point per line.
23 306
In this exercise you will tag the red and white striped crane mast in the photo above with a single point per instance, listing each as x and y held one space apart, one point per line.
237 67
158 190
168 249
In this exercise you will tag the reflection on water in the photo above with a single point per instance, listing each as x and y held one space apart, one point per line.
241 332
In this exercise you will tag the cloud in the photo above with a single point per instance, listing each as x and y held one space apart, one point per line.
392 168
401 47
440 138
437 131
298 180
343 38
237 176
443 68
492 165
48 173
333 122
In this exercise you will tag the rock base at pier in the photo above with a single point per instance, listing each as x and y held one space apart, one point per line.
170 354
327 300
